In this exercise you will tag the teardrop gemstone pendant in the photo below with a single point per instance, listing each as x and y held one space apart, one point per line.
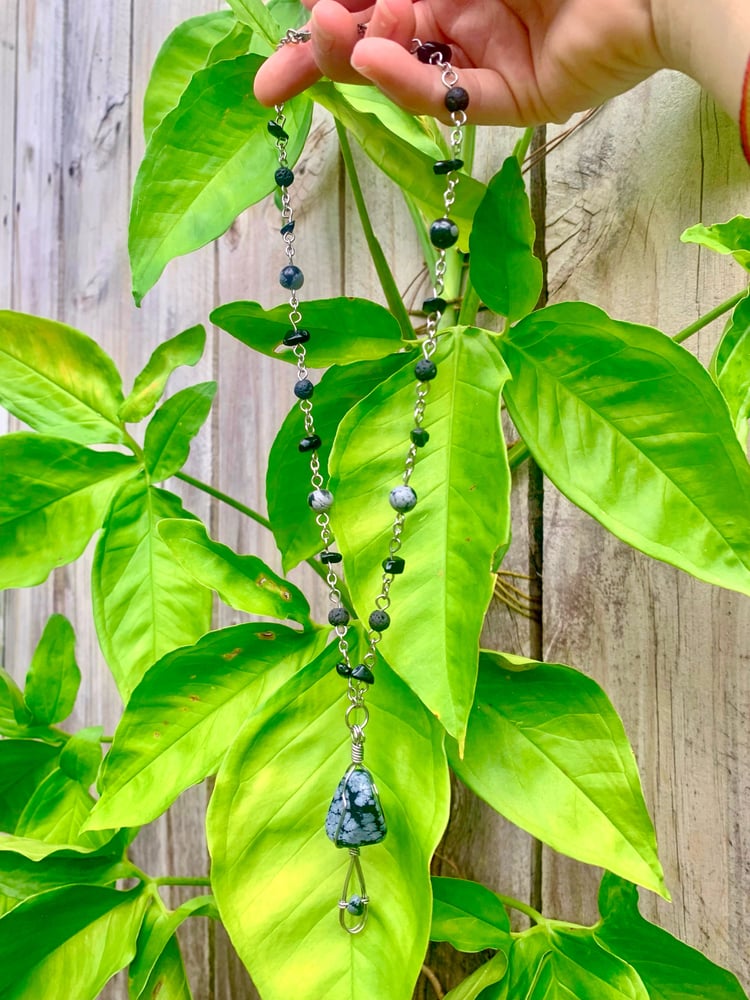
355 817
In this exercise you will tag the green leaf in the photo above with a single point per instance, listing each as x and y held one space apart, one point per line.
341 330
55 495
157 933
192 46
173 427
503 268
486 975
184 349
730 368
288 13
186 712
462 516
547 750
89 935
14 715
468 915
280 775
242 582
669 969
144 604
168 980
630 427
82 754
54 678
406 165
420 132
288 478
195 177
58 380
560 962
256 15
23 765
731 237
21 878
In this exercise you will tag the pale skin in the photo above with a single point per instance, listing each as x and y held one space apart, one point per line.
523 62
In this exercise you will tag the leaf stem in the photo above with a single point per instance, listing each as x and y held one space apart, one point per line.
131 442
180 880
521 148
709 317
516 904
428 250
470 304
517 454
387 281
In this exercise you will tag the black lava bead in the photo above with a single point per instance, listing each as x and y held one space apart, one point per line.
284 177
338 616
379 621
304 388
457 99
425 370
443 233
291 277
420 437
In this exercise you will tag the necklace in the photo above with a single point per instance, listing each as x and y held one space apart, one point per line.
355 817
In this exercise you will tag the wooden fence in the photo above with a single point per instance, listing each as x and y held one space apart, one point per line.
611 201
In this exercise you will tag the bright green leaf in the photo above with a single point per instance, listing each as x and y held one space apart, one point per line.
168 979
669 969
468 915
256 15
23 765
186 712
280 775
546 749
173 427
14 715
54 678
195 178
341 330
184 349
462 516
55 495
242 582
730 368
89 934
58 380
144 604
422 133
21 878
731 237
288 13
473 988
82 754
630 427
288 478
192 46
504 271
157 932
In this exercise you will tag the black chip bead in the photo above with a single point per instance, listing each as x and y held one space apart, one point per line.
291 277
419 437
303 389
343 670
434 52
379 621
425 370
338 616
363 673
457 99
288 228
447 166
443 233
311 443
294 337
329 558
284 177
394 565
434 305
276 130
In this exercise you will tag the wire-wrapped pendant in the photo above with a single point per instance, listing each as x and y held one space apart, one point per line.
355 817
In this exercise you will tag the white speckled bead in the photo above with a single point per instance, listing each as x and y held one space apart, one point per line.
403 498
320 499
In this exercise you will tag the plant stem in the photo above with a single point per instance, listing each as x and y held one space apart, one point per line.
470 303
517 454
521 148
387 281
516 904
428 250
469 147
179 880
709 317
134 446
229 501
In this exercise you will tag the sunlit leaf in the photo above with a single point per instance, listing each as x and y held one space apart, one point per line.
54 678
280 776
144 604
21 878
157 936
547 750
186 712
58 380
731 237
23 766
168 979
468 915
82 754
422 133
195 178
341 330
473 988
14 715
242 582
55 495
462 516
174 425
184 349
256 15
730 368
630 427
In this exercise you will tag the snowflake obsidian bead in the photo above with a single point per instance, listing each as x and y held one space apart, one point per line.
320 500
403 498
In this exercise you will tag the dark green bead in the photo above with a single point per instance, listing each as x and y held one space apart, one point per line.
328 558
303 389
363 673
276 130
288 228
379 621
435 305
343 670
394 565
338 616
447 166
311 443
284 177
443 233
294 337
419 437
457 99
425 370
434 53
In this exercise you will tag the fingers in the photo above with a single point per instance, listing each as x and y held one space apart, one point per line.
287 72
